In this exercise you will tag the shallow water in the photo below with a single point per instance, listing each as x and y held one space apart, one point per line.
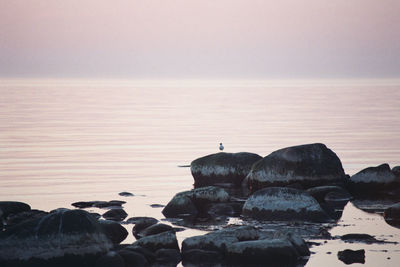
68 141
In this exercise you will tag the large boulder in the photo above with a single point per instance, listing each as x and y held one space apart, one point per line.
392 215
222 168
165 240
72 237
244 245
307 165
114 231
13 207
194 202
283 204
374 182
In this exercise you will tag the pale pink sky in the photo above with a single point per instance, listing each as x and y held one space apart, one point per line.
200 39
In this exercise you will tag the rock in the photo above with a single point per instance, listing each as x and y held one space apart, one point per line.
283 204
133 259
396 171
374 182
392 214
98 204
194 202
349 256
155 242
201 256
309 165
274 252
157 206
149 255
73 237
19 217
141 223
221 209
114 231
115 215
126 194
13 207
155 229
324 193
222 168
168 256
110 259
360 238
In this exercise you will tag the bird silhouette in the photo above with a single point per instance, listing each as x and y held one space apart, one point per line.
221 147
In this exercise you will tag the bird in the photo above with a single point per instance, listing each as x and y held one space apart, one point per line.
221 147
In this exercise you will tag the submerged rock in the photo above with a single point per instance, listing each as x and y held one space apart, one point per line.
360 238
374 182
98 204
307 165
222 168
126 194
73 237
283 204
191 203
349 256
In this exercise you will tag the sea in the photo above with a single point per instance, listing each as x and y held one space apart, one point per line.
63 141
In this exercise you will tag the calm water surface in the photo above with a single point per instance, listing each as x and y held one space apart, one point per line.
62 142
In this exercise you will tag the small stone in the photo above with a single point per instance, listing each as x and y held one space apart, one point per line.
115 215
349 256
126 194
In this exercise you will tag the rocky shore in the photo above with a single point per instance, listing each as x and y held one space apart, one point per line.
284 201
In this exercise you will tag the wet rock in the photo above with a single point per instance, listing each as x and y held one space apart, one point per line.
73 237
194 202
114 231
157 206
98 204
19 217
374 182
392 214
283 204
329 193
309 165
168 256
360 238
115 215
222 168
153 243
126 194
95 215
201 256
396 171
148 254
274 252
141 223
349 256
155 229
133 259
222 209
13 207
110 259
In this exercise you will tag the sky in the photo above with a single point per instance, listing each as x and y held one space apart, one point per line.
192 39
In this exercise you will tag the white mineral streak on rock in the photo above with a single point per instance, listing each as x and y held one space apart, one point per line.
216 170
52 247
282 201
163 239
376 177
211 193
271 176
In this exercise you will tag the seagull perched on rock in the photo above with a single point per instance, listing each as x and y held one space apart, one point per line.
221 147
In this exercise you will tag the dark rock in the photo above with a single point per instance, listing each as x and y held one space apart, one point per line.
157 206
132 258
396 171
12 207
114 231
392 214
283 204
110 259
171 256
155 229
362 238
159 241
98 204
201 256
63 235
19 217
309 165
374 182
95 215
349 256
126 194
221 209
324 193
141 223
194 202
222 168
115 215
148 254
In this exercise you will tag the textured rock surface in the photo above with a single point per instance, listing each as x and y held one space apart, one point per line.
308 165
166 240
349 256
12 207
283 204
392 214
114 231
222 168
